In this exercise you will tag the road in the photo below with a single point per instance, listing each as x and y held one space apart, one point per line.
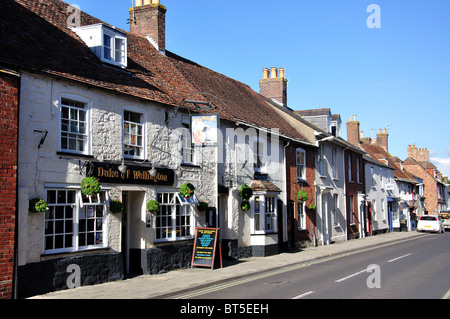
414 269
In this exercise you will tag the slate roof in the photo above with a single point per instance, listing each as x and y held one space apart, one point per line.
35 37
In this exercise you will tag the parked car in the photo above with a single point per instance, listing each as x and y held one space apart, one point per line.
431 223
445 217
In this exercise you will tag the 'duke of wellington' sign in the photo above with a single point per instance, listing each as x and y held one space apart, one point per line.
109 173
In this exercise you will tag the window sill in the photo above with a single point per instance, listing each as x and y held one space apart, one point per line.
51 255
265 233
69 154
190 165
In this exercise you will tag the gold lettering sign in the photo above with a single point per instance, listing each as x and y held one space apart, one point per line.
109 173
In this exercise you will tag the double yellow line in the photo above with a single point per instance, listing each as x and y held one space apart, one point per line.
239 282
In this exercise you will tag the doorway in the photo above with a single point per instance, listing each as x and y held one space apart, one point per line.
133 232
325 234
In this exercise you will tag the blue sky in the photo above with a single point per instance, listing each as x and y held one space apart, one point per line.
396 76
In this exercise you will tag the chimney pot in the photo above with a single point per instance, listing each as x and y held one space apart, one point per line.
274 73
265 73
147 2
273 87
138 3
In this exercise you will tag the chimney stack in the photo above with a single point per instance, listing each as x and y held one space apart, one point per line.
423 155
275 86
148 19
383 139
353 131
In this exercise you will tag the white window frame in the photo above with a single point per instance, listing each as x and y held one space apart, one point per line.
188 151
143 147
87 115
334 163
186 209
358 170
263 214
112 48
259 149
300 167
335 210
350 208
301 215
81 204
350 177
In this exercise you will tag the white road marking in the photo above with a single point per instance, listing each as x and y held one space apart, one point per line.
353 275
395 259
447 295
304 295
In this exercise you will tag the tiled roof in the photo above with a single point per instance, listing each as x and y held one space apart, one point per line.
35 36
264 186
314 112
378 153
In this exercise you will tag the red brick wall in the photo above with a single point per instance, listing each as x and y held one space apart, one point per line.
274 88
431 193
150 21
293 187
352 189
8 175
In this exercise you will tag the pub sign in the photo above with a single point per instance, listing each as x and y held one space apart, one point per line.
110 174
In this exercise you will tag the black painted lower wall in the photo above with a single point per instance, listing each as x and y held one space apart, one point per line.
52 275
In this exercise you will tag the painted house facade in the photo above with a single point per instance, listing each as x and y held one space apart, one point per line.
126 121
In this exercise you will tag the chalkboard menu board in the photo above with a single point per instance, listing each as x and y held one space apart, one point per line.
207 241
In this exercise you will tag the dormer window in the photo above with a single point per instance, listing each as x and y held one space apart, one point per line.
108 44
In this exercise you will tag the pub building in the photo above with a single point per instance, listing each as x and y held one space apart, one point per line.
119 109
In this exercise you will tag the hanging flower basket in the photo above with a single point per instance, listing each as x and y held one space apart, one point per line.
302 196
116 206
202 206
37 205
187 190
90 186
153 206
245 192
245 206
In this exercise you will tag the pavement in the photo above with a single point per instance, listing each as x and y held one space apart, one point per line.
168 285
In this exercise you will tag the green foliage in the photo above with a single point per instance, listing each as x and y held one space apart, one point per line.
90 186
245 192
187 190
152 206
245 206
37 205
302 196
116 206
202 206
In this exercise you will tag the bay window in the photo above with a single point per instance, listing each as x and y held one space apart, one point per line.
75 222
175 220
264 214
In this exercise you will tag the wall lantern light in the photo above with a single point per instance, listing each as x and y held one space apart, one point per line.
123 167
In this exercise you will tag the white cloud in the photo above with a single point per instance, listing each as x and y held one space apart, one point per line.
443 164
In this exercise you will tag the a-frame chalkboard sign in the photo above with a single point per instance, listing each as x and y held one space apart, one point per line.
206 246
